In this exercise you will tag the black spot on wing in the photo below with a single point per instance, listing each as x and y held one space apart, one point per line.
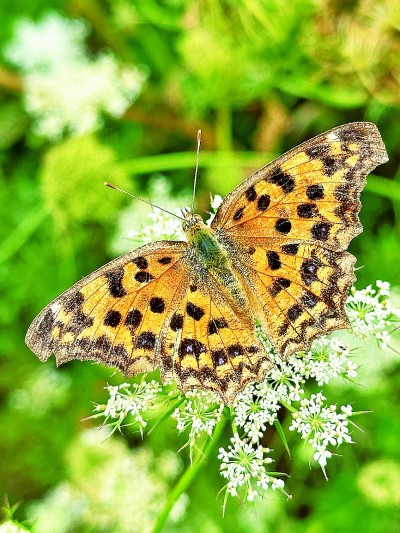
133 318
157 305
316 151
46 324
164 260
290 249
274 262
146 340
176 322
115 285
143 277
74 302
263 202
239 214
194 311
320 231
278 284
307 210
309 300
285 181
315 192
235 350
251 194
219 357
141 262
283 225
215 324
191 347
294 312
308 271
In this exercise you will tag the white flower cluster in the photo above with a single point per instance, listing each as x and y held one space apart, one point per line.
216 201
255 408
322 425
245 465
328 358
65 89
371 313
133 399
163 226
200 412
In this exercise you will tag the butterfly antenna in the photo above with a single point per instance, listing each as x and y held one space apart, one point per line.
197 167
141 199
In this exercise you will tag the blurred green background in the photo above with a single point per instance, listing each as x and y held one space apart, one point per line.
258 77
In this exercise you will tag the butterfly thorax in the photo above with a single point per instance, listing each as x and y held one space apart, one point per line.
213 258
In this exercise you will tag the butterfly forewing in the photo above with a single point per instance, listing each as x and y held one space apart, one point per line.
310 194
115 314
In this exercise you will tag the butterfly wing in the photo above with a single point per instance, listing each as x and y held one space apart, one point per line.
143 311
298 291
208 346
295 217
115 315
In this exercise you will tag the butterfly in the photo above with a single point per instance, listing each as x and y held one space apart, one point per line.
274 255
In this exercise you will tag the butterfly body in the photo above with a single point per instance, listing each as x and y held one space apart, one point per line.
212 259
275 254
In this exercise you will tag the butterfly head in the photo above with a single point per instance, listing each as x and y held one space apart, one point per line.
192 222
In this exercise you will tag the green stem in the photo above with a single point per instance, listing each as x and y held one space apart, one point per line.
288 406
224 128
167 414
188 476
177 160
21 234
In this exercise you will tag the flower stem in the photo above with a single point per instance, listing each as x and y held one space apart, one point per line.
188 476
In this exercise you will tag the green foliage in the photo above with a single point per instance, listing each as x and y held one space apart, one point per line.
78 165
257 77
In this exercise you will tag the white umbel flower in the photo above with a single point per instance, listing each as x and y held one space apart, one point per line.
199 413
322 425
133 399
245 466
42 46
67 91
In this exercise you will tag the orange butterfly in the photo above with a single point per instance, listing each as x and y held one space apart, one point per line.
275 254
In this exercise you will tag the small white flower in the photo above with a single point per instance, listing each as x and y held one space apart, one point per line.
255 408
328 358
129 399
383 287
163 226
199 413
321 455
65 89
216 201
244 465
321 426
371 313
41 46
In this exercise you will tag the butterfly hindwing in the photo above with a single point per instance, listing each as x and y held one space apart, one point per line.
208 346
310 194
298 292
